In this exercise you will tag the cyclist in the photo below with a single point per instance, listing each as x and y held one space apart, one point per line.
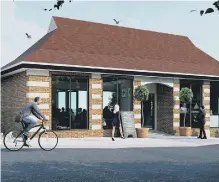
28 112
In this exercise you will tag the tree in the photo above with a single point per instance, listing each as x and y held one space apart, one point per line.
113 100
185 96
141 94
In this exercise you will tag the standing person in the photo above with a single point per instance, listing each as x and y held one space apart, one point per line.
116 122
202 122
28 111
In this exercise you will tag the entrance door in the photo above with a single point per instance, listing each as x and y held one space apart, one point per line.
149 111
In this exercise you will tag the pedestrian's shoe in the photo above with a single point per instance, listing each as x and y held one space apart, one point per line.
113 139
199 137
204 137
123 137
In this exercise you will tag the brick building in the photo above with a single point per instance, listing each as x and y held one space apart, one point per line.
80 69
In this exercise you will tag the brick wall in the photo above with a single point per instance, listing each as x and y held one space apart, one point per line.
164 108
13 97
137 106
40 86
206 103
214 132
176 107
95 103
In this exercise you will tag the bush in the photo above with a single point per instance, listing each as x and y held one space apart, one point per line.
141 93
185 95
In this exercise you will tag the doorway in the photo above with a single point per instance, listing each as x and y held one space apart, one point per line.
149 110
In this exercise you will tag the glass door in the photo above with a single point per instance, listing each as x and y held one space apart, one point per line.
148 111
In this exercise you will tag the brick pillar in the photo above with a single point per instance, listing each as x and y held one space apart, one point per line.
206 103
40 86
137 106
176 107
95 103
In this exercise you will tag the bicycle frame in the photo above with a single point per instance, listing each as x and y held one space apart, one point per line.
41 127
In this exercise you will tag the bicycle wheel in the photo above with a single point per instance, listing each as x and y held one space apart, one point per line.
14 140
48 140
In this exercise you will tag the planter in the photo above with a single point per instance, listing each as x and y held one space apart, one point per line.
185 131
142 132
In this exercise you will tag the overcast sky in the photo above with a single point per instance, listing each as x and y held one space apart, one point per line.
19 17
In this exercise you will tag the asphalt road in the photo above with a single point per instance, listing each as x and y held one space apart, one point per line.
143 164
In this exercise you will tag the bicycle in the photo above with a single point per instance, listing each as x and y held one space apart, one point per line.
16 137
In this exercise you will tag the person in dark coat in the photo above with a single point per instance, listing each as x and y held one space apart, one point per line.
116 122
202 122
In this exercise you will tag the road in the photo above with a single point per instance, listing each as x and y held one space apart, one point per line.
137 164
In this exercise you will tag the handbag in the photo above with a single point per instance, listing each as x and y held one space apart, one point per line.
104 122
18 118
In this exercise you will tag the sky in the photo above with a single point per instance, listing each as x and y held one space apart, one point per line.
173 17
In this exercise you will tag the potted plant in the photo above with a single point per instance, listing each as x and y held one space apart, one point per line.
141 94
185 96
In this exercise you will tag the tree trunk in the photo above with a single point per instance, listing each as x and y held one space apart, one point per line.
142 114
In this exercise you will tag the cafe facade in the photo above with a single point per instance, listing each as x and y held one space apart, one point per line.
80 70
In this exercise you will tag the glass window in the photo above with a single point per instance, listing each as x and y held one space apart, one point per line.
116 90
69 103
193 108
214 98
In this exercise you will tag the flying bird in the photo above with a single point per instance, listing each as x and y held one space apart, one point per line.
202 12
50 9
28 36
193 10
117 22
59 4
216 4
209 10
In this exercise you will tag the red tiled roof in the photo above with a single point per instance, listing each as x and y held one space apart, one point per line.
76 42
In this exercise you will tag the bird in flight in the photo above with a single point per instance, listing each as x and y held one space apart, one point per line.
28 36
216 4
59 4
209 10
202 12
193 10
117 22
45 9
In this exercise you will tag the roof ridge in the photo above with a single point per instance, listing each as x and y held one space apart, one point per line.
123 27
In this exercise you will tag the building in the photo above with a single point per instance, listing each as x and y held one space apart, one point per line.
82 67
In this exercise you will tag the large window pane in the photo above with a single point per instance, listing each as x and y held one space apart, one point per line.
60 102
79 103
125 90
192 108
116 90
109 100
70 102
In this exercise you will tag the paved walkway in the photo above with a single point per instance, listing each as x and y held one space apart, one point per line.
154 140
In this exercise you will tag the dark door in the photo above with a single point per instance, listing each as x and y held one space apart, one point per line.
148 107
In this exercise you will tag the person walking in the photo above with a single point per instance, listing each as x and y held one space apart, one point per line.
116 122
202 122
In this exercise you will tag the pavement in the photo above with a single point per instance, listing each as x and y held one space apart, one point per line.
154 140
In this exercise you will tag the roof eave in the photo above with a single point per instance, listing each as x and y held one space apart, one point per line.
103 70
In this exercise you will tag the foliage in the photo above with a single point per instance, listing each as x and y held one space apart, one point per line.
141 93
186 95
113 100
